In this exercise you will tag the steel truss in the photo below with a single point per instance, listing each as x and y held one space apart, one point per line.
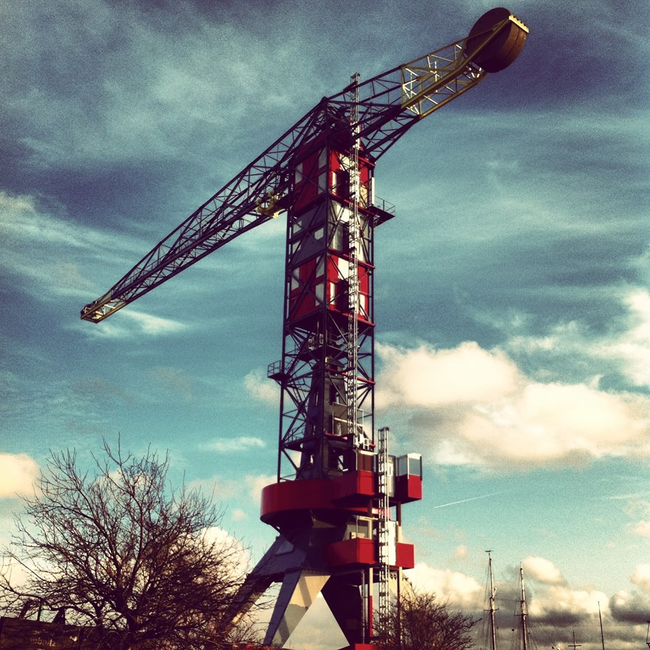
336 536
327 366
387 106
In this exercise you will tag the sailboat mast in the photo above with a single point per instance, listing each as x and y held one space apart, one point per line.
493 593
602 633
574 645
524 609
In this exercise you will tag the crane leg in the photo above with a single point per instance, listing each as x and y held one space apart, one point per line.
298 592
346 604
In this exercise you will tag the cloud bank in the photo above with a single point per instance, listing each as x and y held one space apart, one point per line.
17 475
471 406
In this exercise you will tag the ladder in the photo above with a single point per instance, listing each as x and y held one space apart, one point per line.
353 272
383 577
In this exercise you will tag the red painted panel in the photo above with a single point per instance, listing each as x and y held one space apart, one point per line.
337 284
351 552
339 177
303 299
357 484
408 488
361 551
405 555
310 179
349 492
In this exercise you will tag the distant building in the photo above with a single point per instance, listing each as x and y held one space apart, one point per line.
26 634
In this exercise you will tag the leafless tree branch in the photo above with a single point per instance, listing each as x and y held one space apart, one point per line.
425 623
122 552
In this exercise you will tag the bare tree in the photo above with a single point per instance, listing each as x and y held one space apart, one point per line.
119 551
425 623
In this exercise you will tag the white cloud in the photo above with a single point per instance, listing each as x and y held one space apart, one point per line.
22 224
130 324
46 250
257 483
627 350
630 607
551 421
157 86
471 406
15 572
134 323
429 377
17 475
225 489
238 515
218 488
463 591
261 387
461 552
230 445
560 602
641 577
542 570
237 554
154 325
634 347
554 607
642 528
54 257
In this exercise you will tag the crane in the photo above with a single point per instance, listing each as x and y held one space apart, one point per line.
336 504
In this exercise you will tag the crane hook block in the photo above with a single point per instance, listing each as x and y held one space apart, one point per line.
496 40
268 206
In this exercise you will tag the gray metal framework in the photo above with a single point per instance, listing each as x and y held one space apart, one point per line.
326 373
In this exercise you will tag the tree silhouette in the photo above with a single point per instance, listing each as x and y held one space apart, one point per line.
116 549
425 623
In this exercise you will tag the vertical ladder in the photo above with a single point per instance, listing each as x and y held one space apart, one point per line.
353 271
383 577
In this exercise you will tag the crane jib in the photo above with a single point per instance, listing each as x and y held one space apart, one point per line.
385 106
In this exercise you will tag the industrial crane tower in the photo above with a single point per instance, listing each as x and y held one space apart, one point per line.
337 501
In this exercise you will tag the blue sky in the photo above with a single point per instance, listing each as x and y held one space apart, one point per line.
512 301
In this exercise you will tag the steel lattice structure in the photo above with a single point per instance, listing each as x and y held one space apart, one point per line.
388 106
337 501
